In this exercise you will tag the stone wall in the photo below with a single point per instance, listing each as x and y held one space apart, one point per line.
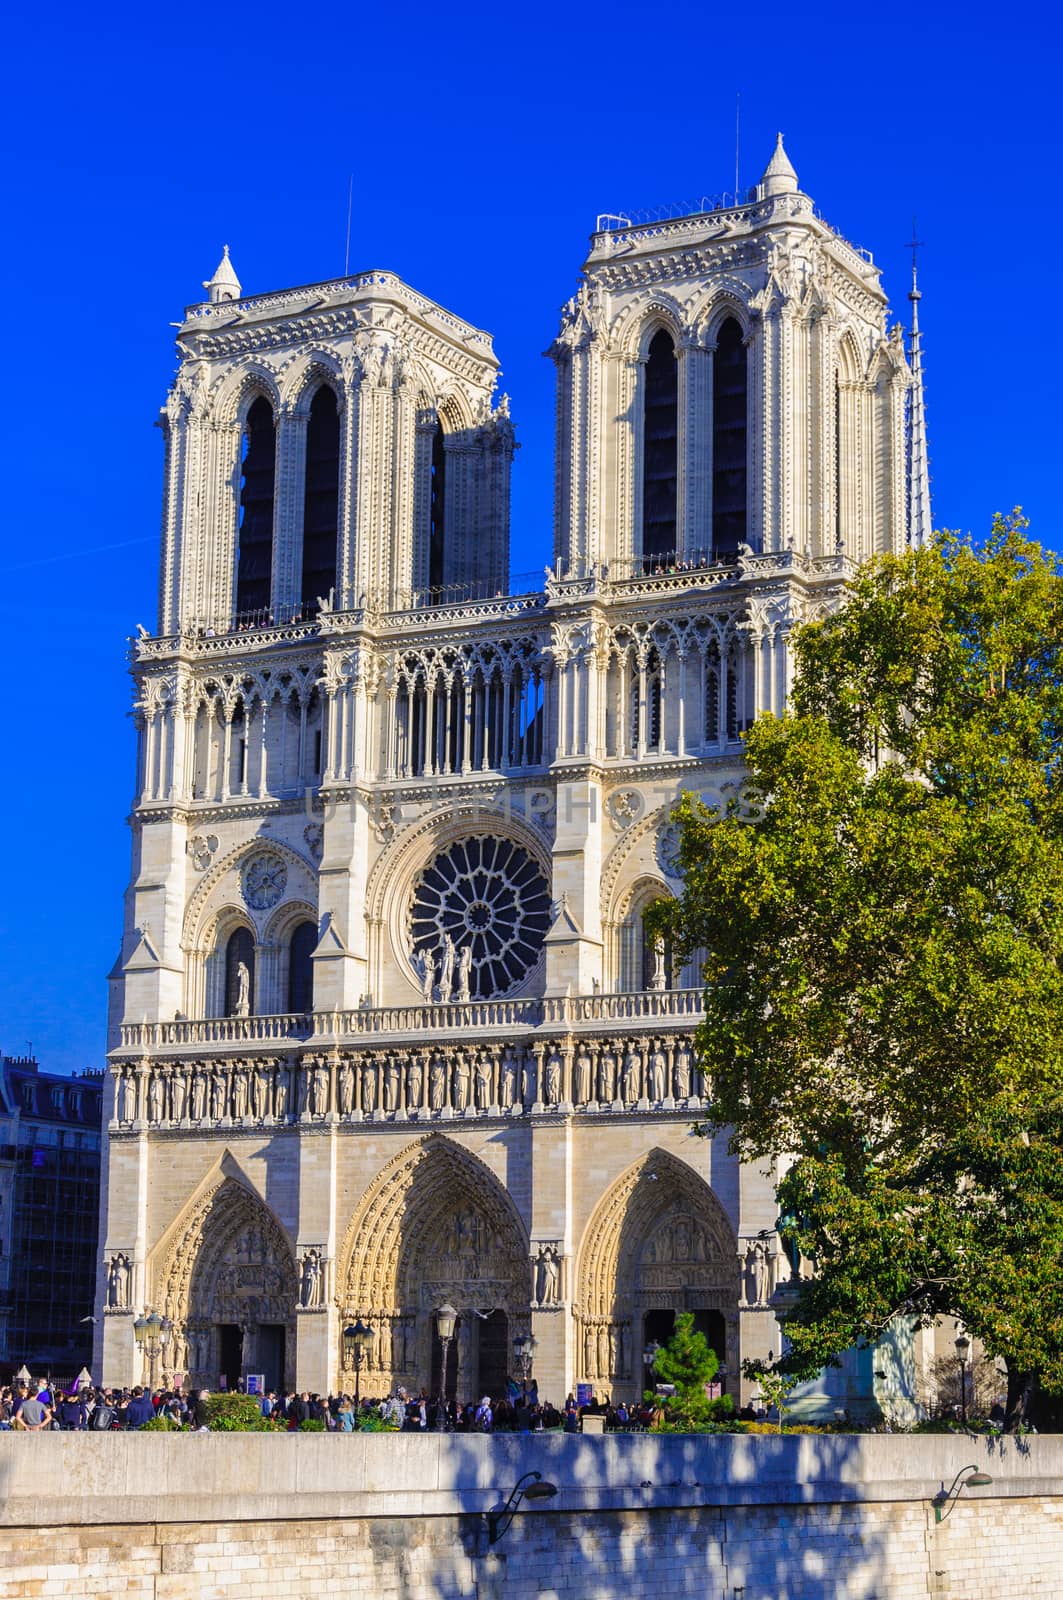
797 1518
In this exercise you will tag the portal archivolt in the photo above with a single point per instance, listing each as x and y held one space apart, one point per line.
658 1243
435 1226
228 1266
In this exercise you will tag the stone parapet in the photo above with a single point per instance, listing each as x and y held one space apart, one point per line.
65 1480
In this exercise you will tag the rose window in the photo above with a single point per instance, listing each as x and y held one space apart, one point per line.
486 895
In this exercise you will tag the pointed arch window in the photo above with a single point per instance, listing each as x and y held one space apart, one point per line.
254 560
239 952
730 417
437 529
301 968
321 498
660 450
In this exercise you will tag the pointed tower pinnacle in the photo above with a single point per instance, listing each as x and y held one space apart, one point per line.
779 175
920 525
224 285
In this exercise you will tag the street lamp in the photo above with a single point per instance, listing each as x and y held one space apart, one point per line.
649 1357
963 1345
977 1480
532 1486
446 1320
356 1341
152 1335
524 1348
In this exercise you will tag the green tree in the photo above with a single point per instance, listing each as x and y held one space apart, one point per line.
883 916
688 1362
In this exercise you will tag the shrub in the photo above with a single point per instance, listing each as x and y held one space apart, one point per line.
312 1425
236 1413
160 1424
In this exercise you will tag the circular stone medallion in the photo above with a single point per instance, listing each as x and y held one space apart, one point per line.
264 878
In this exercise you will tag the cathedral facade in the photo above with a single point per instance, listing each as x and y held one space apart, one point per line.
387 1034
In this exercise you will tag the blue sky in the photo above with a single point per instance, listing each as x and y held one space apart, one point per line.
483 142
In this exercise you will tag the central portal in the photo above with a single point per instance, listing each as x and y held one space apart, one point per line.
437 1228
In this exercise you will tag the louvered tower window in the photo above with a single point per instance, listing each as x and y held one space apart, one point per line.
301 968
437 511
254 562
660 452
321 498
730 388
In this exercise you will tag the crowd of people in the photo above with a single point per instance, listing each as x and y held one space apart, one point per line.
38 1406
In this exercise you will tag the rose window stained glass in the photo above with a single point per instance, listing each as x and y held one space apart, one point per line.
489 895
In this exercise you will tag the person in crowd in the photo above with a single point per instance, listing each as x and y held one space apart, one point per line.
72 1411
139 1410
32 1415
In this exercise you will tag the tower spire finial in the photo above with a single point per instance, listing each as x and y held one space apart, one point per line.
779 175
224 285
920 525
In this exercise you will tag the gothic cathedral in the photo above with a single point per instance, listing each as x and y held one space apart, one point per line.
386 1032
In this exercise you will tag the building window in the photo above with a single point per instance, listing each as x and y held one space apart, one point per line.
730 385
321 498
660 451
239 953
437 513
254 561
301 968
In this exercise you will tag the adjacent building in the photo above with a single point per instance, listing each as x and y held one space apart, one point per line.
50 1131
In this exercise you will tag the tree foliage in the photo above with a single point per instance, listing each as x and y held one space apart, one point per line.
688 1362
883 916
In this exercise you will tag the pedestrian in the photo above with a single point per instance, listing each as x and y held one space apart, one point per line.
31 1415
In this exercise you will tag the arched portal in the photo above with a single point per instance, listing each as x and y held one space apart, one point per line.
658 1243
436 1226
227 1281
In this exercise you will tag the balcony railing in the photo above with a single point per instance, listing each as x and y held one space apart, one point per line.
455 1018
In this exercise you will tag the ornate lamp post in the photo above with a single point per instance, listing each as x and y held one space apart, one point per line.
356 1341
446 1321
963 1345
649 1357
524 1348
152 1335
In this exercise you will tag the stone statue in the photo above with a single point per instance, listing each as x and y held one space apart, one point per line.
310 1286
760 1274
483 1081
446 970
552 1084
199 1096
632 1081
391 1085
280 1108
118 1283
368 1087
178 1090
414 1078
507 1073
320 1090
460 1085
217 1095
437 1084
658 980
346 1088
606 1078
548 1276
530 1086
658 1075
681 1073
260 1092
155 1097
239 1094
590 1349
243 990
464 972
583 1078
129 1098
428 975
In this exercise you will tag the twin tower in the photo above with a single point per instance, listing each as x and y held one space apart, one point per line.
726 382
